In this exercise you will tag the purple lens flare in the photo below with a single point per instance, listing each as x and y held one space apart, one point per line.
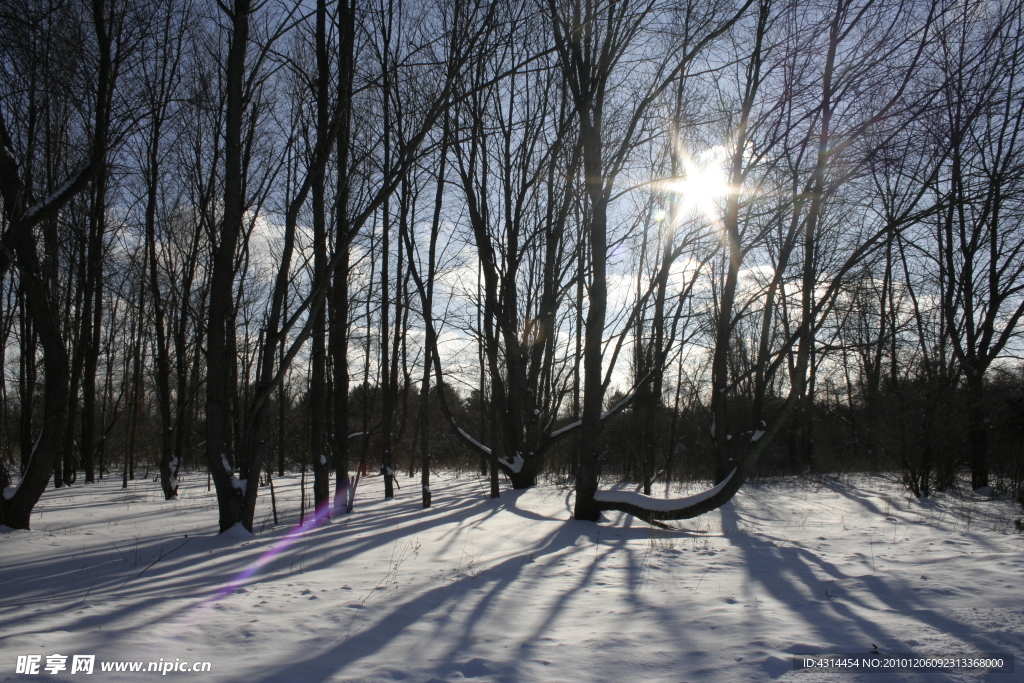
322 512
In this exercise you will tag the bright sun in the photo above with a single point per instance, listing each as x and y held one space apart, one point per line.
701 184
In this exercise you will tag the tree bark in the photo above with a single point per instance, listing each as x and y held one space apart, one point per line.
221 314
318 373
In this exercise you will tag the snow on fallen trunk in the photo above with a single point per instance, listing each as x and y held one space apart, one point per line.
649 508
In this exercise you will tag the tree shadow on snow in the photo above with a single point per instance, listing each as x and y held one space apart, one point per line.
843 621
512 578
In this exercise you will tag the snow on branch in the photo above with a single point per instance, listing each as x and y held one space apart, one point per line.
467 437
54 197
617 408
566 428
62 195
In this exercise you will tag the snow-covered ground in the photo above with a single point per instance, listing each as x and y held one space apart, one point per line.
512 590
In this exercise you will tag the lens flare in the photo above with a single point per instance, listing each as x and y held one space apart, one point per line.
322 513
700 186
342 502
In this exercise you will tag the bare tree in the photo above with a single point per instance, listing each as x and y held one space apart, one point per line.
25 209
592 40
980 244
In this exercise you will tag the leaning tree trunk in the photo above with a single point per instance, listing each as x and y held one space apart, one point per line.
15 509
38 285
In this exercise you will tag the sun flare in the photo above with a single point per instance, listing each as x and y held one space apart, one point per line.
700 186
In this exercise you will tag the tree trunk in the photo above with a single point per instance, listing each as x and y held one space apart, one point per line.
977 428
318 374
27 378
15 510
339 293
92 322
221 318
593 386
168 462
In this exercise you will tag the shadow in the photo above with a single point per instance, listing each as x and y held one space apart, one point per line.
190 568
489 587
846 622
566 578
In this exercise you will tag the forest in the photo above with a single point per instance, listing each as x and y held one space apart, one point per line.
584 241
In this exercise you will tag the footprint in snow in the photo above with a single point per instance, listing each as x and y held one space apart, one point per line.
776 667
477 667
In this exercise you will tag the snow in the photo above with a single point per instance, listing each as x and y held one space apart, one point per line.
11 491
660 504
566 428
323 459
516 463
604 416
239 484
758 433
236 534
35 210
476 443
513 589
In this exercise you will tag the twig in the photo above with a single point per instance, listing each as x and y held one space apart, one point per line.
90 589
118 551
871 547
702 576
162 556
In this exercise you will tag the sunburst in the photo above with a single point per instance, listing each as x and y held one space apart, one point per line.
701 186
